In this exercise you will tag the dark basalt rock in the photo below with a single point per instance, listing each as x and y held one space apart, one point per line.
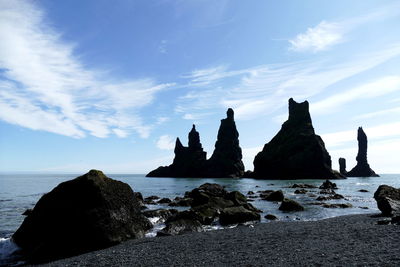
180 227
303 186
362 168
296 152
188 162
164 200
211 201
290 205
84 214
226 160
328 185
342 166
300 191
161 213
388 200
237 214
271 217
273 196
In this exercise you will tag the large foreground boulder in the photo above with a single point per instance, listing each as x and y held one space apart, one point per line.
296 152
388 200
84 214
362 169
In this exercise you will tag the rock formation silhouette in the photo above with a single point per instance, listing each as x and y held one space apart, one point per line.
226 161
295 152
188 162
342 166
84 214
362 169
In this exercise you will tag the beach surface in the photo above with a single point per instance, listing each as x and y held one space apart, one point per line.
353 240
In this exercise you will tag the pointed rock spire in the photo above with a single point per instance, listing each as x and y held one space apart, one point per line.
194 139
342 166
362 169
226 160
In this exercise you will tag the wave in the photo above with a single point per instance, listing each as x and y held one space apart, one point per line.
9 253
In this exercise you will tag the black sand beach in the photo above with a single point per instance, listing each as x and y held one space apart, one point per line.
354 240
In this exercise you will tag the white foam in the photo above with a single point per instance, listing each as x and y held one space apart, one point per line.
8 250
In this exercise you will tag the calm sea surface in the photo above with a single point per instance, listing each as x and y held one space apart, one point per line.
22 191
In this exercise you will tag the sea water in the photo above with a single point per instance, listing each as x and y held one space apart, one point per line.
19 192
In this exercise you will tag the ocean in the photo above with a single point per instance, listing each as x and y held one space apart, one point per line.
19 192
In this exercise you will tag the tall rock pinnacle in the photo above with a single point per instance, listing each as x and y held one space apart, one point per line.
362 168
226 160
342 166
295 152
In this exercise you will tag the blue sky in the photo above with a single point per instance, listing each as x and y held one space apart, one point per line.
111 84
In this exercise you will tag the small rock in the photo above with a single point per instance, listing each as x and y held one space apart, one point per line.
328 185
302 186
239 214
164 201
290 205
363 190
250 193
273 196
271 217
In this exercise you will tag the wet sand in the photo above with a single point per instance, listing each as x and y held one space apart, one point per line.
354 240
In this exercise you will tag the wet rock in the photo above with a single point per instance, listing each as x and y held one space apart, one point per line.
388 200
237 198
303 186
312 195
181 202
328 185
338 205
334 196
342 166
363 190
271 217
300 191
238 214
161 213
296 152
250 193
164 200
327 192
181 226
290 205
84 214
226 160
273 196
362 169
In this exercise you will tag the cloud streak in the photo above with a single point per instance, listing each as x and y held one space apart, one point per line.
45 86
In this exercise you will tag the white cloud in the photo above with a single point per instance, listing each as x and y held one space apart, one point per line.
264 89
319 38
46 87
327 34
372 89
166 142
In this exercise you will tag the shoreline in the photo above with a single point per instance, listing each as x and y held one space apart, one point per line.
344 240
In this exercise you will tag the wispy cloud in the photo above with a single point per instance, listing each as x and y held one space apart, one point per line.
372 89
382 131
45 86
318 38
327 34
166 142
378 113
264 89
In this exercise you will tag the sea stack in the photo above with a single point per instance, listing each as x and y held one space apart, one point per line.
342 166
226 160
188 161
295 152
362 168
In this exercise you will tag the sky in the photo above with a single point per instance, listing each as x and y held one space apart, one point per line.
111 84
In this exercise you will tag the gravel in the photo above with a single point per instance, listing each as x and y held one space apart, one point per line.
354 240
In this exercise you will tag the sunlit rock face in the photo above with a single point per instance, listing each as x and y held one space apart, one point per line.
295 152
362 169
